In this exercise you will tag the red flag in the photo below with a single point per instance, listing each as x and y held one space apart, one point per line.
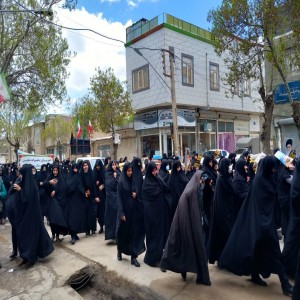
90 128
79 130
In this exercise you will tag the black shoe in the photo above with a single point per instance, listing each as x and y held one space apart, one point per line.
58 239
53 239
163 270
287 289
73 241
14 254
87 234
200 281
76 237
23 262
183 275
119 256
101 230
135 262
257 280
93 233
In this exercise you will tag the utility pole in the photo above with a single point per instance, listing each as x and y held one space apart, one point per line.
173 97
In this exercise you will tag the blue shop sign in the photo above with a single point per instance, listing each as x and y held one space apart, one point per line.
281 95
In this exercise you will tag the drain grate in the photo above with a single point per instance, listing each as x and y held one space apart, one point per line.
80 280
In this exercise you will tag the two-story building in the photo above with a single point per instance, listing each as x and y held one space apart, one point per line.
209 115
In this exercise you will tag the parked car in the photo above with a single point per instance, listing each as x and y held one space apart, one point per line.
213 152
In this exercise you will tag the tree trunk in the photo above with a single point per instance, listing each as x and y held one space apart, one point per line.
59 147
265 135
115 153
296 115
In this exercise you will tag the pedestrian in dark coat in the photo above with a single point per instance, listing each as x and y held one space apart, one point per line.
292 240
55 189
75 204
127 215
185 247
91 197
33 239
224 212
153 195
111 209
99 176
253 246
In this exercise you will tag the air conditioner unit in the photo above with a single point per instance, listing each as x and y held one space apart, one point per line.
117 138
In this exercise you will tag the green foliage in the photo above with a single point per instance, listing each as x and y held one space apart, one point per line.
33 55
108 104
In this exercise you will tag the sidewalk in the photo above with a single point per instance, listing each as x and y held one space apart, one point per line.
47 279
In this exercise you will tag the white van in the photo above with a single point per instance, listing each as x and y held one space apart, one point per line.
92 160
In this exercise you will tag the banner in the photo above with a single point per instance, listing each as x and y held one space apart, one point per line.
35 160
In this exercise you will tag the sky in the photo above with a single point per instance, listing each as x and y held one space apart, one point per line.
111 18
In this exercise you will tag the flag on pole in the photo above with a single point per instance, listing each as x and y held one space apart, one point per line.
4 90
79 129
90 128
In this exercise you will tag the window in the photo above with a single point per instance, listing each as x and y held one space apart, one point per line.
235 88
140 79
187 70
50 151
104 150
214 77
225 126
247 87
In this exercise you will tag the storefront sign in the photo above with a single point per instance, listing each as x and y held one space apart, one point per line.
241 127
145 120
281 94
185 117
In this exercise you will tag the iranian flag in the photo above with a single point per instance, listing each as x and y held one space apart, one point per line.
79 129
4 90
90 128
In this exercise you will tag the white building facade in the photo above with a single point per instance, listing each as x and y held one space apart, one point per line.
209 115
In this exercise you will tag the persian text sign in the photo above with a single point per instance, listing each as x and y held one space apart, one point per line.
281 94
35 160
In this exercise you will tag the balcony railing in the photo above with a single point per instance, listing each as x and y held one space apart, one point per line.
143 26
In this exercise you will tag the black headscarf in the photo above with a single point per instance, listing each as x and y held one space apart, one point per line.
42 174
99 175
163 172
88 180
210 171
224 167
137 175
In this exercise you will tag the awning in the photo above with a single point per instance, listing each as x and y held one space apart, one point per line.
244 142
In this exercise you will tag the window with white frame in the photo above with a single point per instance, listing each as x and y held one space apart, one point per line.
214 77
247 91
187 70
140 79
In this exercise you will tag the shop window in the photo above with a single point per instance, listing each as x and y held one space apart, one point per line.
225 126
207 126
187 70
50 151
140 79
214 77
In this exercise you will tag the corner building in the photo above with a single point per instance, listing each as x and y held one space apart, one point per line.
209 115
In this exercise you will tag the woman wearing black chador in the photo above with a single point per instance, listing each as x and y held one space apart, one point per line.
32 237
127 217
253 246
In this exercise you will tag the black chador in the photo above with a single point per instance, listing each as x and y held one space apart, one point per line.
164 170
292 240
75 204
177 183
44 199
99 176
32 237
139 232
153 195
55 188
185 249
127 216
223 214
253 246
240 184
284 196
111 209
91 197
